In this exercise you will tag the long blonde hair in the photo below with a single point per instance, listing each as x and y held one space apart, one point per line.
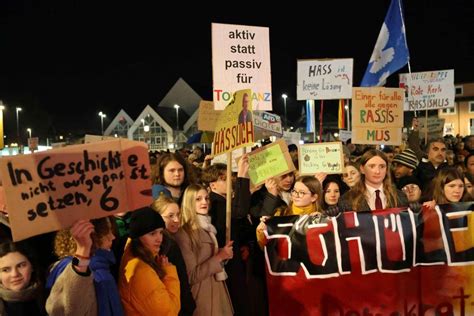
161 203
189 220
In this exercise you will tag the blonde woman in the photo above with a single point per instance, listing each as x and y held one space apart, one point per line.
169 210
204 260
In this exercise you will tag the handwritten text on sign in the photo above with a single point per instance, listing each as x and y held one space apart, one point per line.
50 190
428 90
377 116
324 79
269 161
323 157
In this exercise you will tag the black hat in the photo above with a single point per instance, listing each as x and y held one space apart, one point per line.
403 181
143 221
407 158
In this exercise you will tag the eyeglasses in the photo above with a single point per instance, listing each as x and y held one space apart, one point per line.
410 187
172 217
299 193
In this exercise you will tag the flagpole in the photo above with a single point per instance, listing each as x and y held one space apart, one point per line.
348 115
406 44
321 122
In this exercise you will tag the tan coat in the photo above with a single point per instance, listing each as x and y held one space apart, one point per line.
211 296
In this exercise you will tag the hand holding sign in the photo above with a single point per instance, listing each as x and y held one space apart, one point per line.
51 190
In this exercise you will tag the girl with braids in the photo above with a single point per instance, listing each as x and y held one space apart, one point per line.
148 283
204 260
375 189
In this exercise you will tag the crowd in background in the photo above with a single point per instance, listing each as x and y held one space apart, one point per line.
172 257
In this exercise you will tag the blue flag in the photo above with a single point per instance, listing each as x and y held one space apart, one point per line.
391 50
310 119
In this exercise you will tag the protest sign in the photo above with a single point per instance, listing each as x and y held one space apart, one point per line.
428 90
96 138
266 125
33 143
377 116
51 190
269 161
345 135
292 137
322 157
234 127
324 79
236 154
434 127
207 118
241 60
389 262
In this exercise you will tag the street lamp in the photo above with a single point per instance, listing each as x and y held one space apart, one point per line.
102 115
29 132
18 125
177 116
284 96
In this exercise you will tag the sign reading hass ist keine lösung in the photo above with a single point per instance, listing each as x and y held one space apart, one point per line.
234 127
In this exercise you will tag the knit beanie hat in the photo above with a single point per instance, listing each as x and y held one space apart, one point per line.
407 158
143 221
403 181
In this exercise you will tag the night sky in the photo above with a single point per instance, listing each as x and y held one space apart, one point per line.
64 61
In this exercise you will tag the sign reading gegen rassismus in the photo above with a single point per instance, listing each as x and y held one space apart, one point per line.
377 116
241 60
50 190
428 90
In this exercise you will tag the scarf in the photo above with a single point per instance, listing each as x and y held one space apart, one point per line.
204 222
108 298
106 291
28 294
304 210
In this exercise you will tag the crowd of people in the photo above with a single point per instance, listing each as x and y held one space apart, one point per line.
173 257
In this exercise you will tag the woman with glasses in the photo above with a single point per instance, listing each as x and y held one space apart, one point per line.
170 212
410 185
375 189
306 200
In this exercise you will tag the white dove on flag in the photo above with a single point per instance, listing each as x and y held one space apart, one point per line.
381 57
391 50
